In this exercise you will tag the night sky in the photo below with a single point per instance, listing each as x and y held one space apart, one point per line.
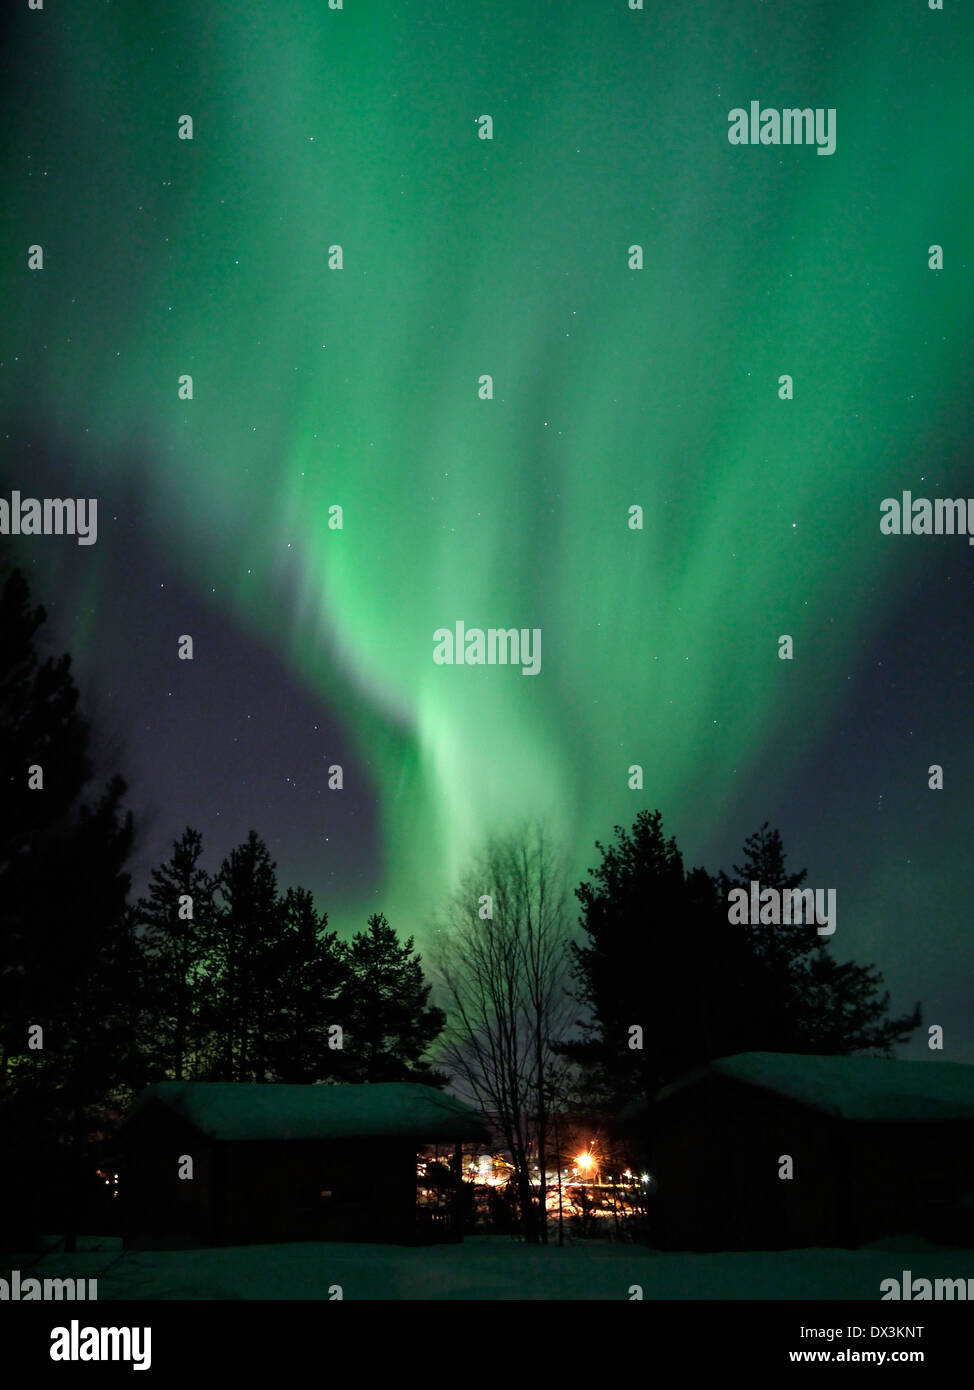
316 387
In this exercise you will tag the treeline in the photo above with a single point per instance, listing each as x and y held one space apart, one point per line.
210 976
661 953
240 981
554 1036
227 975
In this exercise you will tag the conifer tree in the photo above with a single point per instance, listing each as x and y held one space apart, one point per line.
386 1002
659 952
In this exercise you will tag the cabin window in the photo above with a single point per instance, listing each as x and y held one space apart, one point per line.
316 1197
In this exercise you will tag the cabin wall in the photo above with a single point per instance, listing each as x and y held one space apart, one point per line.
341 1190
717 1149
257 1193
914 1179
162 1210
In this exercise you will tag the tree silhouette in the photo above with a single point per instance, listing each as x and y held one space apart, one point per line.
390 1023
243 952
311 975
504 977
662 955
810 1002
178 920
66 951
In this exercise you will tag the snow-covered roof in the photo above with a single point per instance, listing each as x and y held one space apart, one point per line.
854 1088
229 1110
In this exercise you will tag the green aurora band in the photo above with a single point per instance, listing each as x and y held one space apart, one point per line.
358 387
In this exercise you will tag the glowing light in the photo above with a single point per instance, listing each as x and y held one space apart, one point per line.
584 1161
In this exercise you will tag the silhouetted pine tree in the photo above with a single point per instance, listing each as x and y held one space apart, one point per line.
640 966
243 956
66 952
309 981
806 1000
178 924
390 1024
661 954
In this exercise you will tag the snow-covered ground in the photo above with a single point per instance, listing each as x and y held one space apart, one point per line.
490 1268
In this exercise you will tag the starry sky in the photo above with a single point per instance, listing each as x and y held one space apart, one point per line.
316 387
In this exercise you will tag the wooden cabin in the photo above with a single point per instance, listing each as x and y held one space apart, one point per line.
877 1148
234 1163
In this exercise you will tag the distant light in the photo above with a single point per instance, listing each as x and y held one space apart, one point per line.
585 1160
645 1177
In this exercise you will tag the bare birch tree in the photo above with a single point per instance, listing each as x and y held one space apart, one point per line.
501 964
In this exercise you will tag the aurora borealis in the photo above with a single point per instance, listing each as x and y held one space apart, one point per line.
358 388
